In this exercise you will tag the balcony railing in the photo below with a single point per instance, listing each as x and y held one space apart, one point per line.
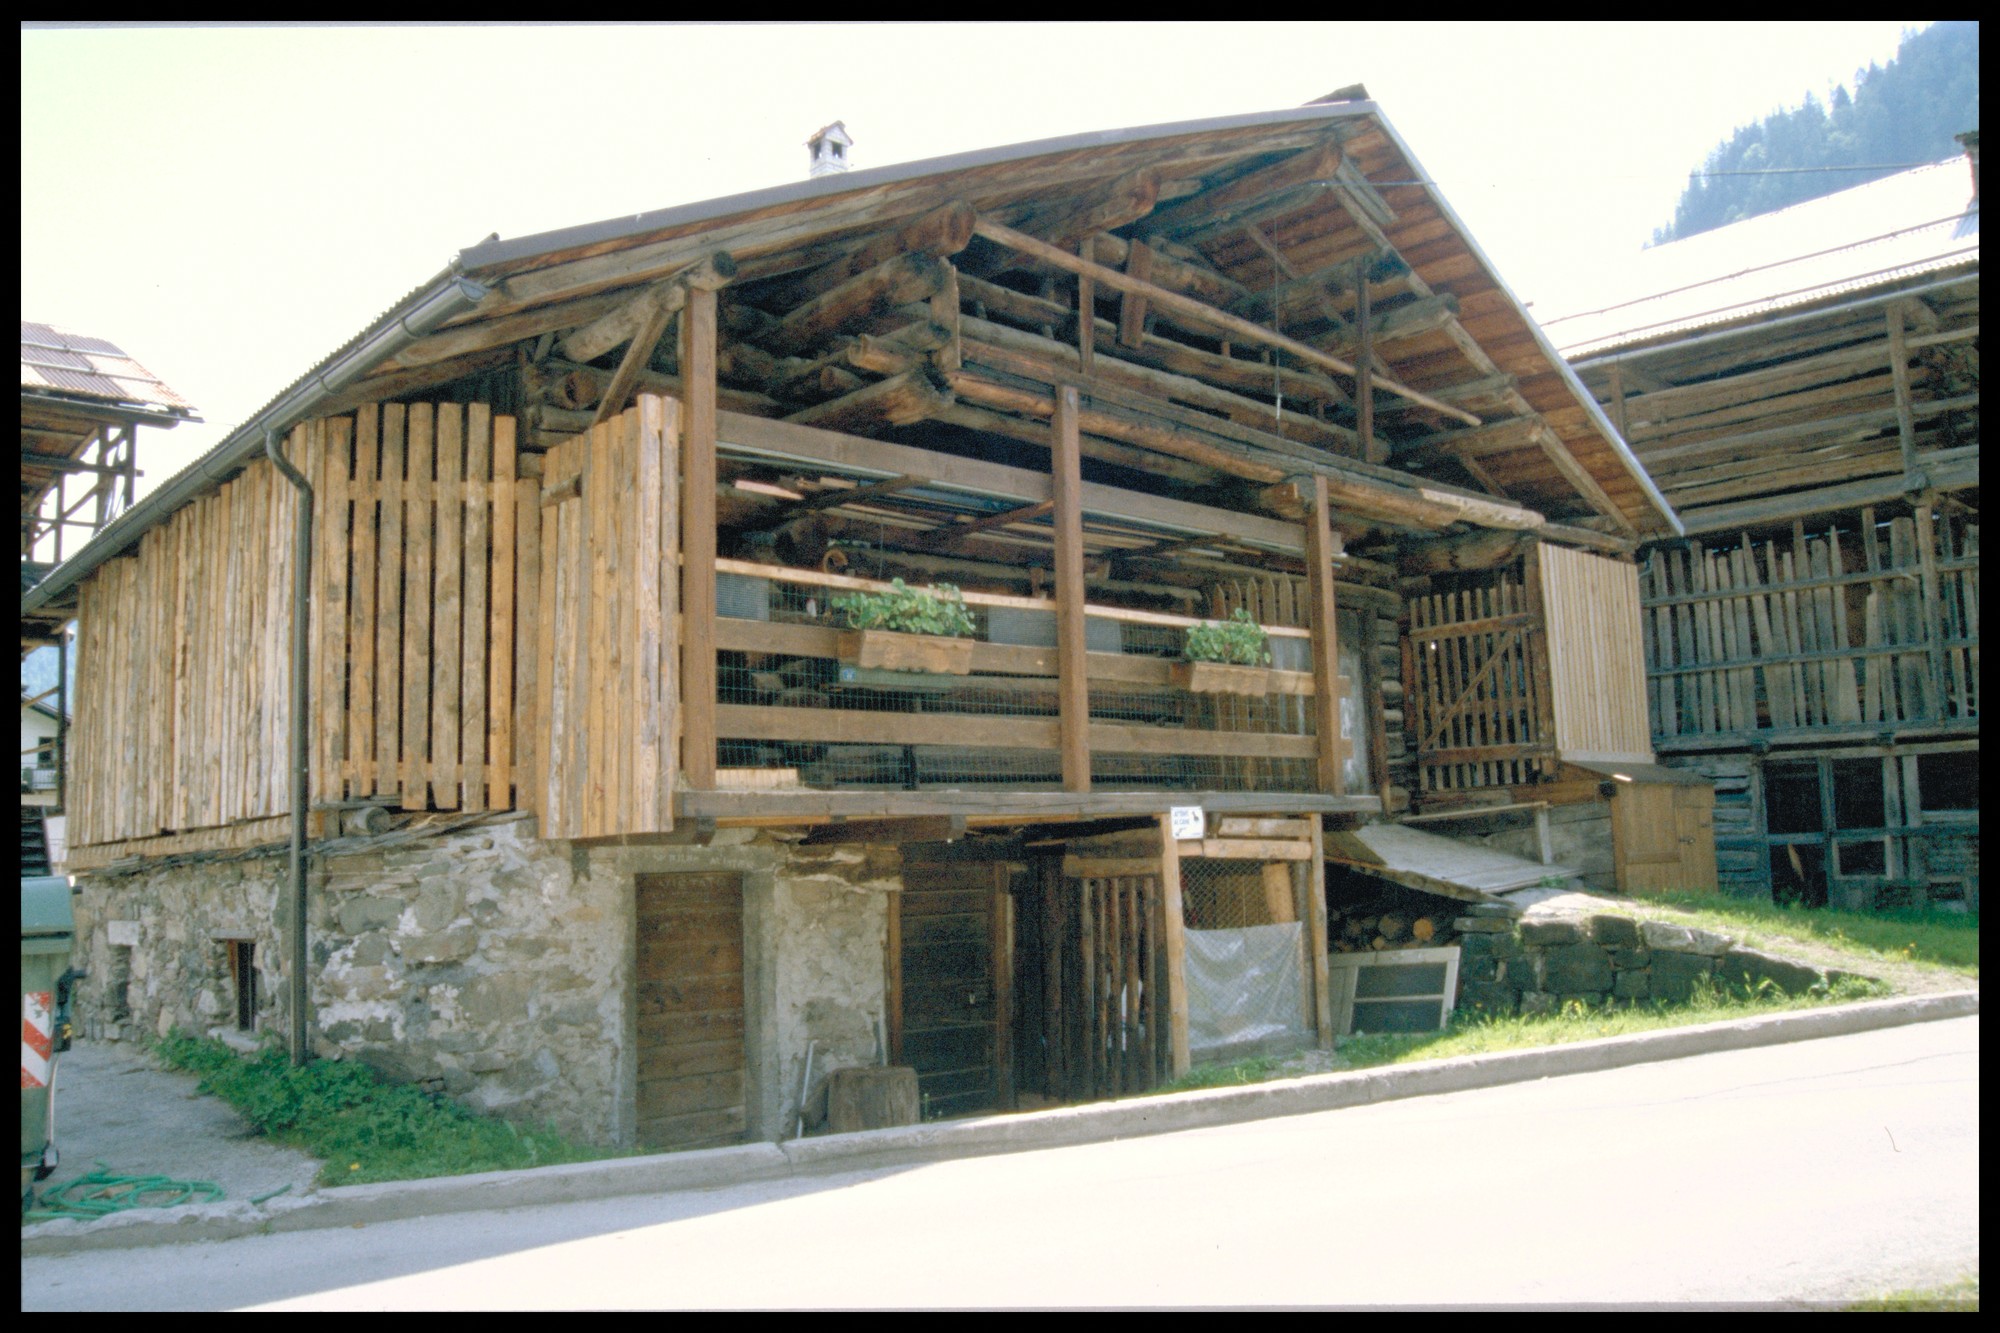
791 712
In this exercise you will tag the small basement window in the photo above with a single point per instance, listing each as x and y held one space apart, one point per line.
1791 798
243 972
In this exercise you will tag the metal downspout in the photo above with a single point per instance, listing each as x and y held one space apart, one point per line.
301 590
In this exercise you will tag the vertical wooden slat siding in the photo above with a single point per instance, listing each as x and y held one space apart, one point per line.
625 632
1596 663
1828 627
361 602
472 649
549 726
389 607
419 531
665 557
502 599
184 649
698 352
446 585
576 646
647 420
524 753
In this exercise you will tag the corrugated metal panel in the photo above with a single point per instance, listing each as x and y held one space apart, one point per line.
1901 226
84 366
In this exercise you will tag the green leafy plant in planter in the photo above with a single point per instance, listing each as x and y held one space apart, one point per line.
938 610
1237 641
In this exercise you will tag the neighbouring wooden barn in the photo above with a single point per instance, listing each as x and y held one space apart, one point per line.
1804 387
618 821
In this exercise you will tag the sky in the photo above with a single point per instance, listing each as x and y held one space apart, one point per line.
231 204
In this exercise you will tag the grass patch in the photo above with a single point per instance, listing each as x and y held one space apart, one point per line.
1470 1033
1482 1034
1959 1296
362 1128
1940 939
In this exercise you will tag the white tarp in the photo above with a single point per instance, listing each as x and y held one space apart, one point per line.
1246 990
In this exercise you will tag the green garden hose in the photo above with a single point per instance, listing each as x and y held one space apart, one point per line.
102 1193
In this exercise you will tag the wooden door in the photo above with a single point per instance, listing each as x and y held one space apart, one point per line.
955 984
1663 837
690 1010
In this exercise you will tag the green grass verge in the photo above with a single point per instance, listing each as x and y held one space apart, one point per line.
1940 939
1959 1296
1483 1034
362 1128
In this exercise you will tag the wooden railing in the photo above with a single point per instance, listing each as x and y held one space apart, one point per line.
790 713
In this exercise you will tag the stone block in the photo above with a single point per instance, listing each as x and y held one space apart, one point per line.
446 947
1550 930
1626 960
487 1062
123 934
1483 925
1499 909
364 912
1747 967
1535 1002
1674 974
1523 973
1484 997
1577 969
1632 986
1708 943
1607 928
1488 946
370 950
1478 967
439 904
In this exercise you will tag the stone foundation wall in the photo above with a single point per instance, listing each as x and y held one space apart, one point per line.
497 968
1537 965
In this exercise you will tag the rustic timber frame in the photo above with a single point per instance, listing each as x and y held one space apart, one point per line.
580 544
1813 647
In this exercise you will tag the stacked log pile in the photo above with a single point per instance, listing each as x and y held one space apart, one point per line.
1400 921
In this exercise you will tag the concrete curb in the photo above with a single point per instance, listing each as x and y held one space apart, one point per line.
356 1205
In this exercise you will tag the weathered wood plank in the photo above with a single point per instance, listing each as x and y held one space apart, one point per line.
478 490
448 581
420 525
500 780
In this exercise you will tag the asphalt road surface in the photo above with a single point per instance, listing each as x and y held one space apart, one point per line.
1811 1172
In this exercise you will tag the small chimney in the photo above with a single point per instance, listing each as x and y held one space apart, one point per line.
828 149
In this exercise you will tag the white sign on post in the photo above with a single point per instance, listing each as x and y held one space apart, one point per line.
1186 822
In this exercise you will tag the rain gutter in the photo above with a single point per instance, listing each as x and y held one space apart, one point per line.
449 295
301 588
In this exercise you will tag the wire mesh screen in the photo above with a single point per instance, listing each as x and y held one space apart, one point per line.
1224 895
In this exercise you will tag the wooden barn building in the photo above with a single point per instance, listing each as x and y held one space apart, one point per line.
1804 387
613 819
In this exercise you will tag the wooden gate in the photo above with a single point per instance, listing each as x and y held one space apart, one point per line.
1101 963
1475 668
1663 836
690 1010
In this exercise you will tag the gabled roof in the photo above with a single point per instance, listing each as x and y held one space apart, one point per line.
1279 205
1916 222
62 364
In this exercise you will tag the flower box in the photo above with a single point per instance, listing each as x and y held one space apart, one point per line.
1222 678
887 650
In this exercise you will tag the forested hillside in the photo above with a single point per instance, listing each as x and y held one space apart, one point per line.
1899 115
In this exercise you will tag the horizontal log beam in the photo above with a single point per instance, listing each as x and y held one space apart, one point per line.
942 232
1233 198
1207 315
620 326
900 280
901 400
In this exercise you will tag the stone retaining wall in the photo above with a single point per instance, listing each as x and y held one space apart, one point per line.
1536 965
495 967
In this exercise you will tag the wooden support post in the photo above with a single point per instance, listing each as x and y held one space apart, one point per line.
1933 612
1173 933
1899 372
1086 316
892 983
698 684
1132 306
1003 987
1364 378
1325 638
1314 872
1066 464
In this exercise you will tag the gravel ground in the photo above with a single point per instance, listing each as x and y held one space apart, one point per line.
116 1106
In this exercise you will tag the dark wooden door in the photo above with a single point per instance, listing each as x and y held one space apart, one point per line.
955 983
690 1010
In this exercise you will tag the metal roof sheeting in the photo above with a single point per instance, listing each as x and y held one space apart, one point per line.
1920 221
80 366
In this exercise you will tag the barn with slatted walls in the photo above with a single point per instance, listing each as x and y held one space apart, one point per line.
616 819
1804 386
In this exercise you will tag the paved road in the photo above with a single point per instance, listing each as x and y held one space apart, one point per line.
1812 1171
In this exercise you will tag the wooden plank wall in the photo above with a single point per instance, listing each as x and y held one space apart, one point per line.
182 696
607 661
183 705
1477 693
414 606
1859 623
1597 668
